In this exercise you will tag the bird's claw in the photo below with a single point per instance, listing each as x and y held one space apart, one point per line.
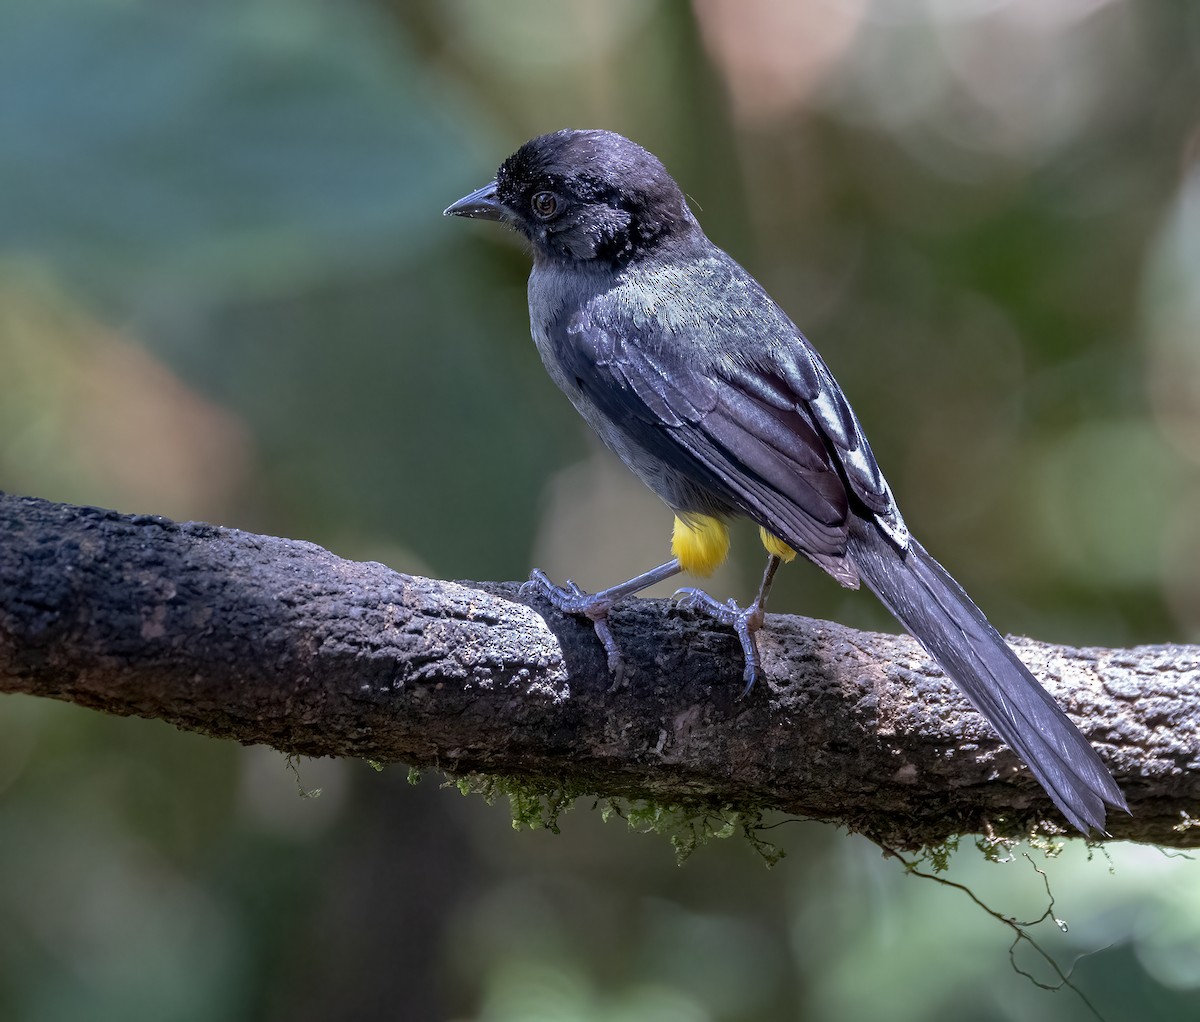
697 599
570 599
745 621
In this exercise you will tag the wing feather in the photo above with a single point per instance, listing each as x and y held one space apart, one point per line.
756 426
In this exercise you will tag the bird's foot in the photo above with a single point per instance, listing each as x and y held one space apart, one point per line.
745 621
570 599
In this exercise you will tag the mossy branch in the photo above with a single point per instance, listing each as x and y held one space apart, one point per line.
279 642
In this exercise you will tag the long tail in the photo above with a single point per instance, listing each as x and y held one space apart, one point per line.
941 616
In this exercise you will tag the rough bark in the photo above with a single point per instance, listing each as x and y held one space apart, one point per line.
279 642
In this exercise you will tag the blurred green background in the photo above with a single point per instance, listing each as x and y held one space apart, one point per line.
227 293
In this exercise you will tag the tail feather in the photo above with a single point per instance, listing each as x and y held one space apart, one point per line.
941 616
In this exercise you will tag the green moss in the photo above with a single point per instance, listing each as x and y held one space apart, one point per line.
992 847
936 857
533 805
1050 845
539 806
997 849
691 826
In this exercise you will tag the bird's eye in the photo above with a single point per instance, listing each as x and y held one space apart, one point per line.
544 204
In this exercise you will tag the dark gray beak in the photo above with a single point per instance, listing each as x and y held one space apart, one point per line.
481 204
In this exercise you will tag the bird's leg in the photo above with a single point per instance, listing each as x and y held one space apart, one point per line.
570 599
745 621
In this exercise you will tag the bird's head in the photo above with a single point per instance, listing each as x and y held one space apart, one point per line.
581 196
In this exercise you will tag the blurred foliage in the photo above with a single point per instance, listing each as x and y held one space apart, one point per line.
226 293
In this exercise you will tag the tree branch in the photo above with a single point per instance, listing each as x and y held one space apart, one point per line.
279 642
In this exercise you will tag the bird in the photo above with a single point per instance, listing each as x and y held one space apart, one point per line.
704 387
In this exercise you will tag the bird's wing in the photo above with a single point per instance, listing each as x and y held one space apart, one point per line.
771 436
803 368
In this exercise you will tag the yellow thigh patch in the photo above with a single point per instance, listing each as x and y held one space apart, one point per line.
700 542
776 546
